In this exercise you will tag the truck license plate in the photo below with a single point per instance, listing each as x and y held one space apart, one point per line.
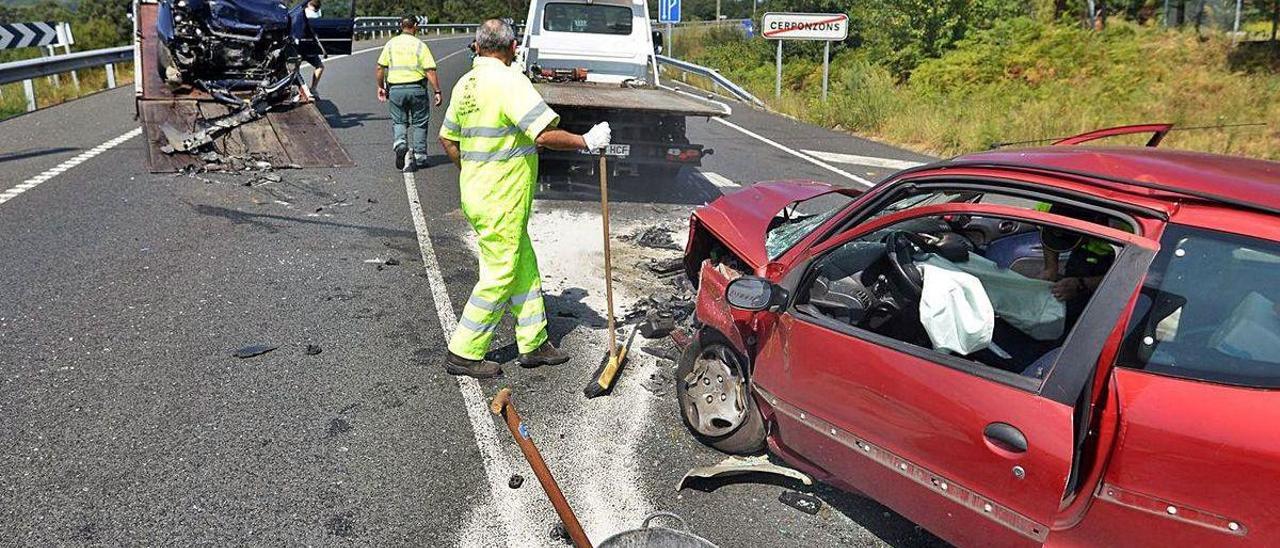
617 151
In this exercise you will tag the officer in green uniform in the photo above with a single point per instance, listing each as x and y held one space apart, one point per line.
495 123
404 69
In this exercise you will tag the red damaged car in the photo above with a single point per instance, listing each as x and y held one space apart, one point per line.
1068 345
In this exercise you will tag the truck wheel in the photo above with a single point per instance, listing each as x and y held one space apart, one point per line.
715 399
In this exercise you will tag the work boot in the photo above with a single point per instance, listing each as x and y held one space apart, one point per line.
480 369
410 162
547 354
401 151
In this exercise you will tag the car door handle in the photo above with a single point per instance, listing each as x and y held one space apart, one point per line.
1005 436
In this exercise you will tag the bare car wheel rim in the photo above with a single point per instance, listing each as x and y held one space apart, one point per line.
715 392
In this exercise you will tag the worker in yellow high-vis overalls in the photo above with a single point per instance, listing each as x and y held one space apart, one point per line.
405 67
492 130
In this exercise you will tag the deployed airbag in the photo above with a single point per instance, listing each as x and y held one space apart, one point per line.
1025 303
955 310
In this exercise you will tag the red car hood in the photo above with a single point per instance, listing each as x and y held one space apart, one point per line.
741 220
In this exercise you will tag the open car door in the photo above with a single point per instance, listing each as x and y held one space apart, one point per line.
330 34
976 454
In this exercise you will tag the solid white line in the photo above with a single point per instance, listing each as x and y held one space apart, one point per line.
718 179
66 165
797 153
514 519
853 159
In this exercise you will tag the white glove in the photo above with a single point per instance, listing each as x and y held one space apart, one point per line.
598 137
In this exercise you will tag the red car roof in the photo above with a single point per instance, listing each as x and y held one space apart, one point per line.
1243 181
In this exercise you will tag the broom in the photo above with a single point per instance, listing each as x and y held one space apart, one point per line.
607 374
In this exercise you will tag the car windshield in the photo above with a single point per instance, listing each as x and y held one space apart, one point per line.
797 220
587 18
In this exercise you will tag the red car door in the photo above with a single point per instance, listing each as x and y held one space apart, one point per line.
935 436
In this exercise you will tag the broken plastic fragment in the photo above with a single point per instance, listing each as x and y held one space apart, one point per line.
733 466
516 481
312 349
808 504
254 350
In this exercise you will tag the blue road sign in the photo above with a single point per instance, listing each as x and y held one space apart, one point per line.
668 11
749 27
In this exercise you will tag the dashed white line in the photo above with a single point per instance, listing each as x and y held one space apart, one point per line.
66 165
796 153
870 161
515 520
718 179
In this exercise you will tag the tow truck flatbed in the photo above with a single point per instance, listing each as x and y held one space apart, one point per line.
612 96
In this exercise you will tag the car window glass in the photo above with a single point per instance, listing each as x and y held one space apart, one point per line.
926 282
587 18
1209 310
797 220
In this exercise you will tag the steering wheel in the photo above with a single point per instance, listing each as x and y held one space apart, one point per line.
901 248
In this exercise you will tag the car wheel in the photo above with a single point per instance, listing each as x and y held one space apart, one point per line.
168 70
715 399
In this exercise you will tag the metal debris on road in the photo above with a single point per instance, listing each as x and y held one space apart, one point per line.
655 237
665 267
808 504
657 324
516 481
254 350
559 534
733 466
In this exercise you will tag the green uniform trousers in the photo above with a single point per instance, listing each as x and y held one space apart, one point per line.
410 108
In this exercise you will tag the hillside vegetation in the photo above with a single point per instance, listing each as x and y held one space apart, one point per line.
1020 79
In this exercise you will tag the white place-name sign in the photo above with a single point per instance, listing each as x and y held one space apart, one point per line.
805 26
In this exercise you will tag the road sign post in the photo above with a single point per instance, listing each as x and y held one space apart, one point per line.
826 27
826 67
669 12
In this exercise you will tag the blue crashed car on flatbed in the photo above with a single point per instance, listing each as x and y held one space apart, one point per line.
242 43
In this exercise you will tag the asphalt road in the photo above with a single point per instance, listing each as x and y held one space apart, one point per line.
125 420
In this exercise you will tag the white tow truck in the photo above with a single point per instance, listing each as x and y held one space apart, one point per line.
593 61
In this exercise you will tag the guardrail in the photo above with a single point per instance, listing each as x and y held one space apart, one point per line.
717 80
26 70
381 26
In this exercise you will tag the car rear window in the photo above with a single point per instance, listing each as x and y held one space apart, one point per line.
587 18
1209 310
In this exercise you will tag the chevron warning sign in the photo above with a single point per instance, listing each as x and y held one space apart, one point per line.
25 35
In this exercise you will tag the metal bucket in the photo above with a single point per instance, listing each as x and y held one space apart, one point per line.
652 536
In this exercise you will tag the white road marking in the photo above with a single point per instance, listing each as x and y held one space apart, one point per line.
718 179
516 525
796 153
853 159
66 165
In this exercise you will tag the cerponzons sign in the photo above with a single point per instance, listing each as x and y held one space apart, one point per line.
805 26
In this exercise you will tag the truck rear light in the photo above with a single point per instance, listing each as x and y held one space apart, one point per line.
683 155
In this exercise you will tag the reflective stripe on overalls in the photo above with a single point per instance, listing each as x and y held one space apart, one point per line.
495 116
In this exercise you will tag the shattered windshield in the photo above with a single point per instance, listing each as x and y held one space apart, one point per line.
797 220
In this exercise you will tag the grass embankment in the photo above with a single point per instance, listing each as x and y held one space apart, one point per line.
14 102
1020 80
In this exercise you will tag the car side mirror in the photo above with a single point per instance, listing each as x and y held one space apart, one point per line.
754 294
